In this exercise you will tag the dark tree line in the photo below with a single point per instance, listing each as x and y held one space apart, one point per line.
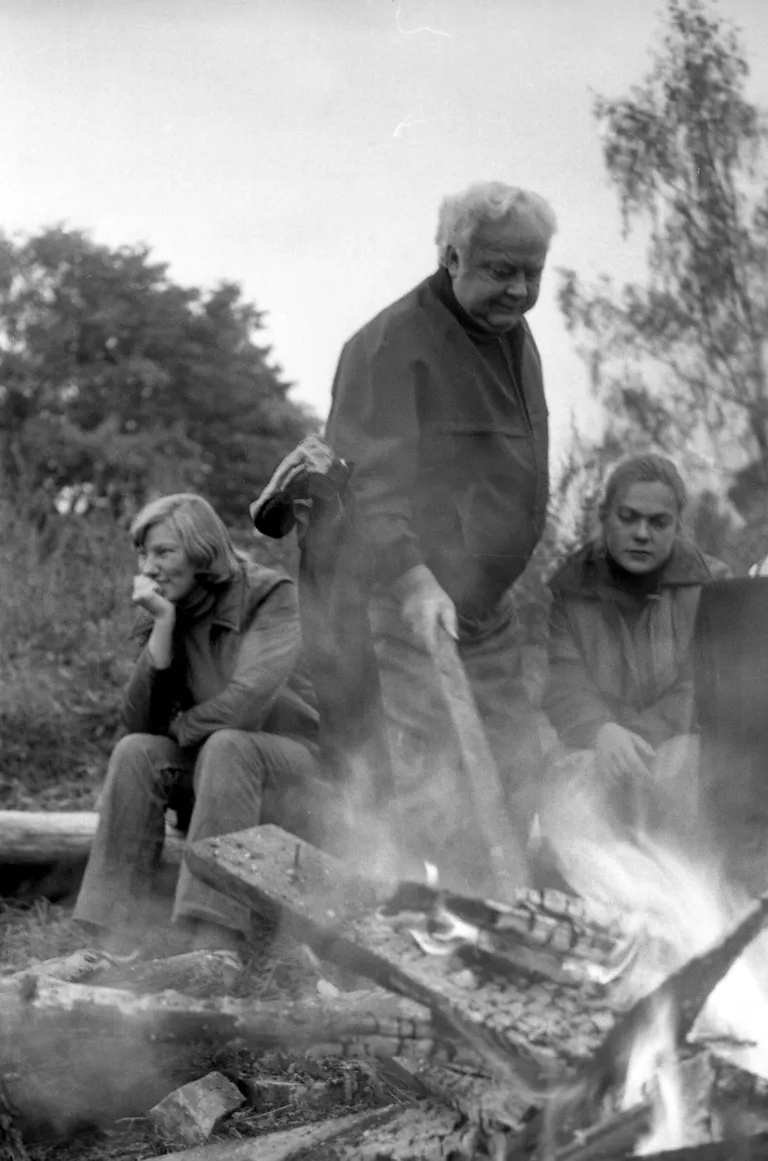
116 383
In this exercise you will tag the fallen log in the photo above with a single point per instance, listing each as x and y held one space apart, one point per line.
424 1132
42 837
30 1003
335 913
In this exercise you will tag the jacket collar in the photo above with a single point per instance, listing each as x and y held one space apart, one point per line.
586 573
228 611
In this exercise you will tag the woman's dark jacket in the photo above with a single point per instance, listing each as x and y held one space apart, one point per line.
614 659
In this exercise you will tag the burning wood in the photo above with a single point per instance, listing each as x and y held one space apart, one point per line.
521 1034
684 994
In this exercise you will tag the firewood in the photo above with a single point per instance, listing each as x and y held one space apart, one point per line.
190 1114
424 1132
193 972
285 1144
30 1003
76 967
258 868
116 1054
42 837
616 1136
685 993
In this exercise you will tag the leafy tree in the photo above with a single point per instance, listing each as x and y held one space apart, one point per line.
680 360
116 383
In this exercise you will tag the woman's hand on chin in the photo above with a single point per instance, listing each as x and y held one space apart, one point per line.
147 596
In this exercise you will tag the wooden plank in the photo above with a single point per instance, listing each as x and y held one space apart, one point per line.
41 837
425 1132
506 857
525 1033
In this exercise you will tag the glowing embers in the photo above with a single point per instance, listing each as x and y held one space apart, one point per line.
544 935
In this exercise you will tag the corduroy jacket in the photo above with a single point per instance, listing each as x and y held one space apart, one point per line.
236 667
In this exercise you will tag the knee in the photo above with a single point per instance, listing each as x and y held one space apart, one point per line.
132 748
224 745
226 752
138 755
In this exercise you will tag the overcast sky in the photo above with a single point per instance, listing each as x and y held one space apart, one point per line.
301 147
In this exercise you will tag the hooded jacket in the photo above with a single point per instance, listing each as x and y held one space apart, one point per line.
237 666
614 657
445 430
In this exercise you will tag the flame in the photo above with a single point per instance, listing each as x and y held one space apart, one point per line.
682 904
653 1072
432 878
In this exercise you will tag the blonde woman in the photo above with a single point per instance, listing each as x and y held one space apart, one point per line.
220 721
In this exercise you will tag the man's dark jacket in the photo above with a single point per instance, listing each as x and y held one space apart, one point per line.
445 429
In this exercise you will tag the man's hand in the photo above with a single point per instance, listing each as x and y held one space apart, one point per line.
147 595
425 606
621 752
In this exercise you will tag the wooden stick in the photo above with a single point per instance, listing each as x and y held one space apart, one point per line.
613 1137
507 859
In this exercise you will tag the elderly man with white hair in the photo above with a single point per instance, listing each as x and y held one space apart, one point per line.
438 406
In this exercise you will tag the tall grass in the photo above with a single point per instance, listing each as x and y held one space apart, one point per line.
64 652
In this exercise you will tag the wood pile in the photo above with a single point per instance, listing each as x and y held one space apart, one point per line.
505 1020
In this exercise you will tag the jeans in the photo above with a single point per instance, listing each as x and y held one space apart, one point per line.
235 780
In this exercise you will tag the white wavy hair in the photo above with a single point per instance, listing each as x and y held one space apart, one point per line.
461 214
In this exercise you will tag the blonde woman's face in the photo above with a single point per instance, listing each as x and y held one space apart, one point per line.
163 560
641 527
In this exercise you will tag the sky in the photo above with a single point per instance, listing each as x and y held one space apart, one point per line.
301 147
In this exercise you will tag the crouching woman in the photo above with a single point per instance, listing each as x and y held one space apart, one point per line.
620 688
220 720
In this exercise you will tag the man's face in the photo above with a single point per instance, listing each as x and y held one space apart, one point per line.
641 527
497 278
